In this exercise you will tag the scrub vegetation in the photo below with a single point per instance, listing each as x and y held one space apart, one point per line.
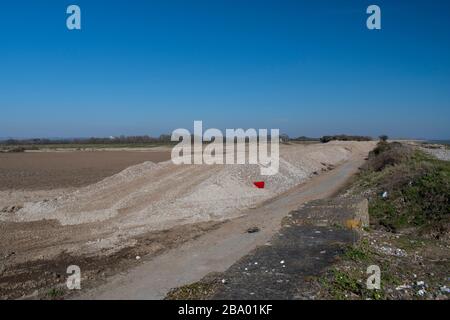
408 237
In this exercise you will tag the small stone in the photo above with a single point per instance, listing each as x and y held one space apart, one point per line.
138 257
252 230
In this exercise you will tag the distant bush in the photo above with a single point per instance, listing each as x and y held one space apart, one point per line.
344 137
284 137
383 138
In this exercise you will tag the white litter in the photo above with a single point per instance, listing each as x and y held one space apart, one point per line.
421 292
403 287
445 289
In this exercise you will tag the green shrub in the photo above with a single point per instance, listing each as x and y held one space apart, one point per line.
417 185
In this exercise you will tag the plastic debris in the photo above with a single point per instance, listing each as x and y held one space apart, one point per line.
259 184
421 292
403 287
444 289
393 251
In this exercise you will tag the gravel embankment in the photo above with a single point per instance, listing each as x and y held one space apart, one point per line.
440 153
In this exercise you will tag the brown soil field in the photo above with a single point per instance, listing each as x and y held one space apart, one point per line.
52 170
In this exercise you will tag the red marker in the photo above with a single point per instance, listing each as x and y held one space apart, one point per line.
259 184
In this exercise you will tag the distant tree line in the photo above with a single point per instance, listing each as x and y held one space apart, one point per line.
344 137
303 138
163 139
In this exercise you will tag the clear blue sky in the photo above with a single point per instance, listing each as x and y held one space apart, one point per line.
148 67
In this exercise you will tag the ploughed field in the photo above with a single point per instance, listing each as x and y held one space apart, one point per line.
63 169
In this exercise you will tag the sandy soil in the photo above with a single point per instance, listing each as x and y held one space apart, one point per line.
106 217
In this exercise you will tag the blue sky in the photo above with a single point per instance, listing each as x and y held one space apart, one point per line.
149 67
